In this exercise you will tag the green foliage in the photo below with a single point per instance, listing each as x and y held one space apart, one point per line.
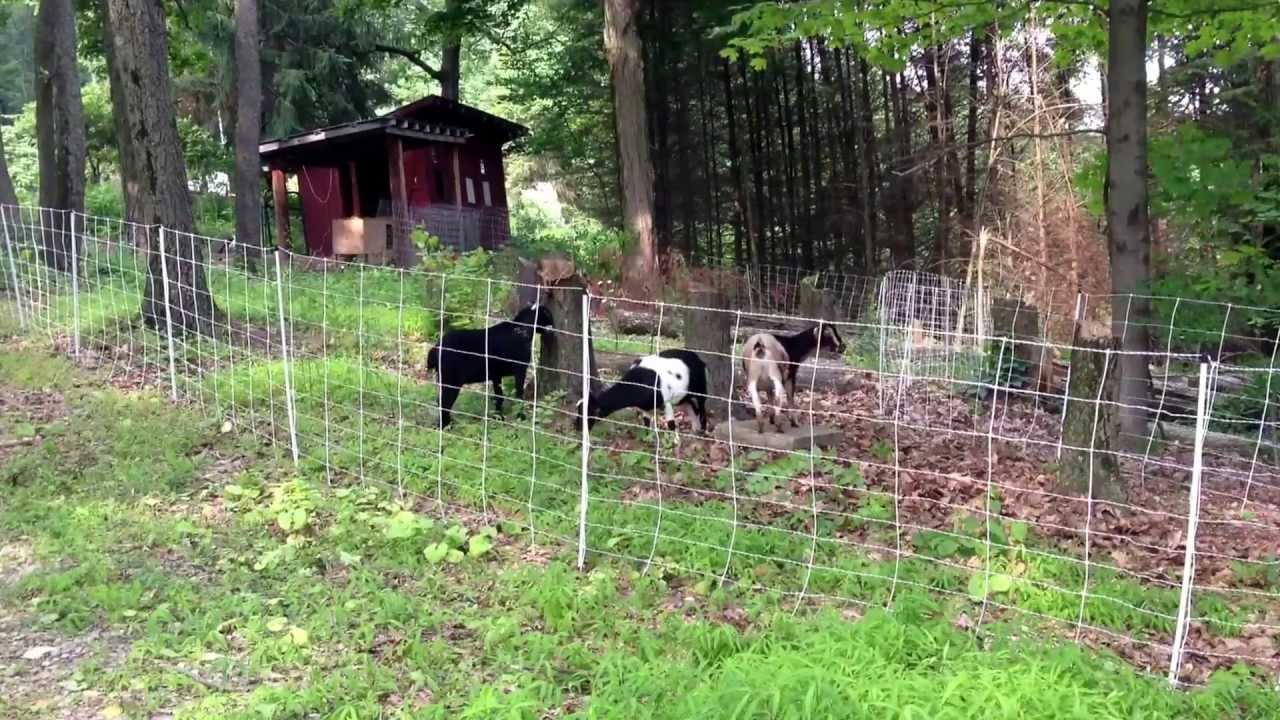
205 156
17 66
597 250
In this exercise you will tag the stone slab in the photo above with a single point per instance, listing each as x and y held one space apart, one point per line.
790 439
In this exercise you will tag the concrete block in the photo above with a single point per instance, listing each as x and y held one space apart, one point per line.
788 439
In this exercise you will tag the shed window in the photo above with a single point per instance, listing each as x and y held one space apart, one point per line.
471 192
484 189
482 167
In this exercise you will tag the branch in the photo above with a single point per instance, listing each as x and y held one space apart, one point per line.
410 55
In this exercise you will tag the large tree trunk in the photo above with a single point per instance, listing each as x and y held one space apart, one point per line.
451 57
1126 200
1089 423
626 69
124 142
248 181
8 196
59 127
136 31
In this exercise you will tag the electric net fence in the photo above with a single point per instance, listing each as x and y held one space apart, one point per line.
928 459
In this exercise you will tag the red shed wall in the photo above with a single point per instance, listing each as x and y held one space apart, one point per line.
482 163
321 191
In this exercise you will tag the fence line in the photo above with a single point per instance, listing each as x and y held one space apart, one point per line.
899 479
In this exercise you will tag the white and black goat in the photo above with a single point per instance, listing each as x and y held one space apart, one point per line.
777 358
653 382
470 356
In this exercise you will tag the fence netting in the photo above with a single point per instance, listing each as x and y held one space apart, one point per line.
953 446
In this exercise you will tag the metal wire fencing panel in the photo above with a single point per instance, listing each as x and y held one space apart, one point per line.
898 477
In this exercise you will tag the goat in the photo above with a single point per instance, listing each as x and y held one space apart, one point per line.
778 358
471 356
670 378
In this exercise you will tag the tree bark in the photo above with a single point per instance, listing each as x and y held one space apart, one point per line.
451 58
8 196
626 69
124 141
1129 239
560 360
971 140
136 31
248 180
1089 423
59 127
708 328
743 224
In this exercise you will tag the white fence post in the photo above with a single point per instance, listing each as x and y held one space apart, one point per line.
586 433
168 317
75 286
284 354
9 240
1193 521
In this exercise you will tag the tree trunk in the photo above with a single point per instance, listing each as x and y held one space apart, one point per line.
1126 202
136 31
626 69
743 224
59 127
1089 423
124 141
708 326
971 140
8 196
560 361
870 162
248 180
451 57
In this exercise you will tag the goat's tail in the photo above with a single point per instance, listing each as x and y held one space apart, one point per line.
758 350
433 358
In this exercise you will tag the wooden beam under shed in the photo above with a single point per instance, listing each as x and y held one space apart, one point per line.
355 189
280 199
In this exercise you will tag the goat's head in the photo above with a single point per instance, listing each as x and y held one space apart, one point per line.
535 316
828 339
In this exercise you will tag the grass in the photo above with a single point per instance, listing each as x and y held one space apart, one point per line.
242 585
235 586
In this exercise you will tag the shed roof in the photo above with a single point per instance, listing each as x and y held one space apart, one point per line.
433 118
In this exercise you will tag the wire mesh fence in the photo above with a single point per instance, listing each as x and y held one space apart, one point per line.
1007 497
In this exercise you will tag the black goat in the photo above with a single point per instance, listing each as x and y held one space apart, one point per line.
653 382
471 356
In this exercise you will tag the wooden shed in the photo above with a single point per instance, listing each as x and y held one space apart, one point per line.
434 164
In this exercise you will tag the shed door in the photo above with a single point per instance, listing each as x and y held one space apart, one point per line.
415 176
321 192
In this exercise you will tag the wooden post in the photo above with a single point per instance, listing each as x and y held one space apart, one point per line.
280 199
355 189
708 325
402 248
560 365
457 178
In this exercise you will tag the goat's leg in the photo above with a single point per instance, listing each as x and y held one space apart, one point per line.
755 403
448 396
791 396
519 396
779 397
698 404
669 416
497 395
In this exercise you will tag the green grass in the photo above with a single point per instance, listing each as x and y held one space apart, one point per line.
218 560
242 588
